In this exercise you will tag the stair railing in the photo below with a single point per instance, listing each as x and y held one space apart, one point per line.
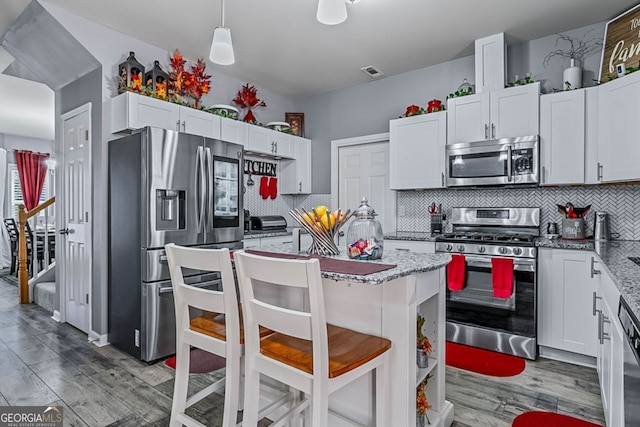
23 270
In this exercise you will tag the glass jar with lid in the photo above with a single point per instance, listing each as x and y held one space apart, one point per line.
364 237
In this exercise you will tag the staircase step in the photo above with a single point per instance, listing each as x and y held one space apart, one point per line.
44 294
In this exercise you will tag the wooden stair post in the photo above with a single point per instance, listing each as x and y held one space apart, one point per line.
23 271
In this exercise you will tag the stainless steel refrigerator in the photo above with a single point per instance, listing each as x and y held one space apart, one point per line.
165 187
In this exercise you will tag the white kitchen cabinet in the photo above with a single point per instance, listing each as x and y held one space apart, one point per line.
562 138
610 353
591 168
130 111
565 295
618 147
502 113
417 246
490 62
417 151
295 176
234 131
266 141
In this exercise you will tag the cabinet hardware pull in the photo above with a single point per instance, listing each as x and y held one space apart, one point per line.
493 131
593 270
403 249
600 171
486 131
300 186
178 125
604 336
595 299
442 175
600 327
276 147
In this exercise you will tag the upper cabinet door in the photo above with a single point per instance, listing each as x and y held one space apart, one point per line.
417 151
562 137
198 122
468 118
131 111
515 111
283 144
618 145
260 140
234 131
490 63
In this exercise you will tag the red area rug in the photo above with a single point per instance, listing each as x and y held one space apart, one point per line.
483 361
549 419
201 362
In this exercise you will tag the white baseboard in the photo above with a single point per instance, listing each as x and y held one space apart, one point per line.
97 339
567 357
56 316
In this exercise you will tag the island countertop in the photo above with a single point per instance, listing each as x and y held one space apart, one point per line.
407 263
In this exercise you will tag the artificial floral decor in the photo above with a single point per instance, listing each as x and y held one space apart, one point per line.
422 404
463 90
422 341
247 98
186 87
521 82
433 106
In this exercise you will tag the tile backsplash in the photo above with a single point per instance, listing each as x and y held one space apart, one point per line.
620 201
282 204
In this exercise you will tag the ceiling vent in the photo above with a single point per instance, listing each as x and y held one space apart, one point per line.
372 71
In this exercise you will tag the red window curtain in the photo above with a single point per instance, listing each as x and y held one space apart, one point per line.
32 171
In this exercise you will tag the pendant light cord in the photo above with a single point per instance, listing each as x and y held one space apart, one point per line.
222 7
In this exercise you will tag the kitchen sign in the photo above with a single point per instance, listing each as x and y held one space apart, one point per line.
621 45
255 167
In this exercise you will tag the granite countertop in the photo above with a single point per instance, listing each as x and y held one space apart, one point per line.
412 235
255 234
407 263
614 256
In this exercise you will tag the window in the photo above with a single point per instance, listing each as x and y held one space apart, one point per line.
15 192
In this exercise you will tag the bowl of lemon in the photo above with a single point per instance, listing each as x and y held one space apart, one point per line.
323 225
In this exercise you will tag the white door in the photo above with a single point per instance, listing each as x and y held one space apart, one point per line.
75 237
364 172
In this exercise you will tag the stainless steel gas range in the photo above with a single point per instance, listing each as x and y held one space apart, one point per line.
474 316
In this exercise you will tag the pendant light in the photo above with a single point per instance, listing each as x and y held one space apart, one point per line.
221 46
331 12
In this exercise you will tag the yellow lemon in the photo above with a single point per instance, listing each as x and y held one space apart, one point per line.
328 221
309 218
321 210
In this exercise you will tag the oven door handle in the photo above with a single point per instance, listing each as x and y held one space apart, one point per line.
518 265
509 163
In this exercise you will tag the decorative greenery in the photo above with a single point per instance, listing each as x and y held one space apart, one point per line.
188 83
461 92
421 340
527 80
577 48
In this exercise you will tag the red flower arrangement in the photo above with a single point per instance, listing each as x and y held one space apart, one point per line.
414 110
135 84
247 97
422 341
193 83
422 404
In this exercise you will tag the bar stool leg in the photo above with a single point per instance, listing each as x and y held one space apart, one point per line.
382 381
251 397
320 404
181 383
232 386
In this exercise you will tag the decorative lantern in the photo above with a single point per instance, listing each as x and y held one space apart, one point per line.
156 80
128 69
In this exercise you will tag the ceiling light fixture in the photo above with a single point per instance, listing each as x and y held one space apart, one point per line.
331 12
221 46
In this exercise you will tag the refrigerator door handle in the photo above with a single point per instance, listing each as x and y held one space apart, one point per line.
211 188
200 177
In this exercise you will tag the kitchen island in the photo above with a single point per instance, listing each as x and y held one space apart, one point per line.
387 304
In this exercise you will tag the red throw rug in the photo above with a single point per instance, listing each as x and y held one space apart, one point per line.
483 361
201 362
549 419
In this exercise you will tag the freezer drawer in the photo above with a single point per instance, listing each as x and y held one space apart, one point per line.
158 329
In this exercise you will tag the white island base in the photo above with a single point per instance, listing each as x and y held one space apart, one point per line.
388 305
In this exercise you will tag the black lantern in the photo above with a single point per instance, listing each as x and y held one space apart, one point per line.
156 79
130 67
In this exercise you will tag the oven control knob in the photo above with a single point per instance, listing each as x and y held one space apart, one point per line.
449 247
482 249
461 248
517 251
502 250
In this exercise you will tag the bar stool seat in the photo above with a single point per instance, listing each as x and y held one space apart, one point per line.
215 325
347 350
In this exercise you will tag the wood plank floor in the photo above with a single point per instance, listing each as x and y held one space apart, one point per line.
46 363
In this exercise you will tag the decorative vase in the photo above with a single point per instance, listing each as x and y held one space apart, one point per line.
421 420
572 76
421 358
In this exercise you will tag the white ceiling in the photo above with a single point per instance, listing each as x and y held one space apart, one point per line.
280 45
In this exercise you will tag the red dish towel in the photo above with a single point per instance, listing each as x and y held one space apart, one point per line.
456 272
502 277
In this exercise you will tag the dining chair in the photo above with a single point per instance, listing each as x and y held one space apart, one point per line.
304 352
12 230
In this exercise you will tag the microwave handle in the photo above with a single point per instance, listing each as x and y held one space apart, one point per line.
509 164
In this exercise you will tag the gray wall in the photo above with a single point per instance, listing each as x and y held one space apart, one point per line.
89 89
367 108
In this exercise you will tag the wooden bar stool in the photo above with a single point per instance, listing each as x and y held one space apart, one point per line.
304 351
217 332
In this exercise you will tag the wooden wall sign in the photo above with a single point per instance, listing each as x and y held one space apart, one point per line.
621 44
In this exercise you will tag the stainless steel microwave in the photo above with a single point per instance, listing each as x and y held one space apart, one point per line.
506 161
